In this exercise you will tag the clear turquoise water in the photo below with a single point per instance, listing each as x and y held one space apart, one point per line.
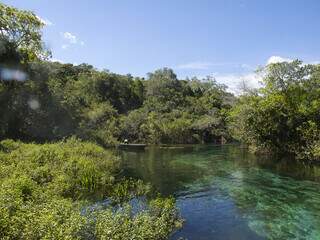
223 192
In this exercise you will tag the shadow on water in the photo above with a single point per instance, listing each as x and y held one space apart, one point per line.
162 167
224 192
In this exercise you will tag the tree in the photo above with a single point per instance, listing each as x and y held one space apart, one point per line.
283 76
23 30
162 83
283 117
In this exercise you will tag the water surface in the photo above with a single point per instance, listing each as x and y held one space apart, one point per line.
224 192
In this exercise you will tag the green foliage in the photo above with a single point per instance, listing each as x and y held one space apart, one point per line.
47 189
179 112
23 30
283 117
128 189
107 108
54 219
70 168
156 222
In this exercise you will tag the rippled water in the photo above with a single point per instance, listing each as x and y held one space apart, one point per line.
223 192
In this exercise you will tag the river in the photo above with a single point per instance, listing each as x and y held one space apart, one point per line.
224 192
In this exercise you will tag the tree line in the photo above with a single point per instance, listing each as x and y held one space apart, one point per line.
61 100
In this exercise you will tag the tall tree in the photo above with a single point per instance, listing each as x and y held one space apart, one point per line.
23 30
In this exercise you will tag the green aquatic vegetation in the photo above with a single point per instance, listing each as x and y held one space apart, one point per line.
70 168
52 219
154 223
128 189
45 189
280 208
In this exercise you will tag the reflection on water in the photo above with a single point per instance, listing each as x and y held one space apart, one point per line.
224 192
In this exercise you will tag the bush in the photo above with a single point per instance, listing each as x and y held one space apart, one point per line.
45 190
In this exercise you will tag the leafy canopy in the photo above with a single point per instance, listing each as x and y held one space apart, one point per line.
23 30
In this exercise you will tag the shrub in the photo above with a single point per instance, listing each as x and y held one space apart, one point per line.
45 190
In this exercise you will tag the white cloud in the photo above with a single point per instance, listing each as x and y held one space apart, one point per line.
278 59
247 67
202 65
70 37
235 81
45 21
250 79
56 60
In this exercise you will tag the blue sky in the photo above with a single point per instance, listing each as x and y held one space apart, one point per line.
227 39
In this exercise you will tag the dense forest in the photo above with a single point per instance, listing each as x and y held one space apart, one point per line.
59 117
107 108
